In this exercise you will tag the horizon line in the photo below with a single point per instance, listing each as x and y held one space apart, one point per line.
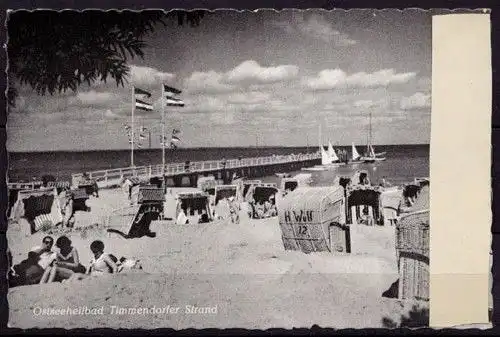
212 147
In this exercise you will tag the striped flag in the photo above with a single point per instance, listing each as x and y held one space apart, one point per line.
141 136
171 101
140 95
139 91
169 94
169 91
175 139
141 105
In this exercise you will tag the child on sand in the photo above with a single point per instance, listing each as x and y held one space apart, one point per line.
101 263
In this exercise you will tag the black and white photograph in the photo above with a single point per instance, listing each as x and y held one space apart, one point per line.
219 169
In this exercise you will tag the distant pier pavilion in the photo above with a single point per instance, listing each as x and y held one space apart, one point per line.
187 174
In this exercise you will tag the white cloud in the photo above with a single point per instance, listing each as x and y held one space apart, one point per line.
416 101
250 72
315 26
147 76
206 82
246 74
336 78
92 97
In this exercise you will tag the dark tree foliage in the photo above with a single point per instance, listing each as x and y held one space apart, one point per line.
54 51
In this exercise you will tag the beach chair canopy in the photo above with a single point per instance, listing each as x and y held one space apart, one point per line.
207 184
39 207
306 216
289 184
140 224
359 177
344 181
193 203
422 181
261 192
422 201
25 186
391 199
247 184
132 181
148 194
225 191
413 227
78 194
59 185
363 195
312 205
411 190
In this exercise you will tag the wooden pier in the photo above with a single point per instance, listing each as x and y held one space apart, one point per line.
182 174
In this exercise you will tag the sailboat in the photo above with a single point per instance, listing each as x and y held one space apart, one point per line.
355 158
371 156
329 158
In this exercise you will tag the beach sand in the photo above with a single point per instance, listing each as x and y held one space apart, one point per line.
242 270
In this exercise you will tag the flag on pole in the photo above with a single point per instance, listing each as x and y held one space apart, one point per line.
169 91
139 91
169 94
141 105
140 95
175 139
141 136
171 101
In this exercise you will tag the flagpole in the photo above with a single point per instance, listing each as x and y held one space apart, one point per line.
163 136
132 143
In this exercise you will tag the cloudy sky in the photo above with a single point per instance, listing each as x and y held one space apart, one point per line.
271 76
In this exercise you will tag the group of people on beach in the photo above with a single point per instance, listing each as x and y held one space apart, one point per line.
45 265
264 209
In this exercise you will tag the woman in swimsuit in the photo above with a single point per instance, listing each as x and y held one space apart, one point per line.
102 262
67 257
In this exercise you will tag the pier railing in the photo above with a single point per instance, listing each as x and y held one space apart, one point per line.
114 176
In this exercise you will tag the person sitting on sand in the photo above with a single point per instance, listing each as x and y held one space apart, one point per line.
233 210
101 263
259 209
17 273
38 272
182 219
203 217
67 257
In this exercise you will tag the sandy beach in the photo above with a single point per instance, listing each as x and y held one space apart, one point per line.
233 267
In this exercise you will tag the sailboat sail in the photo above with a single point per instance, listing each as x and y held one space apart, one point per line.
355 154
372 151
332 153
325 158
